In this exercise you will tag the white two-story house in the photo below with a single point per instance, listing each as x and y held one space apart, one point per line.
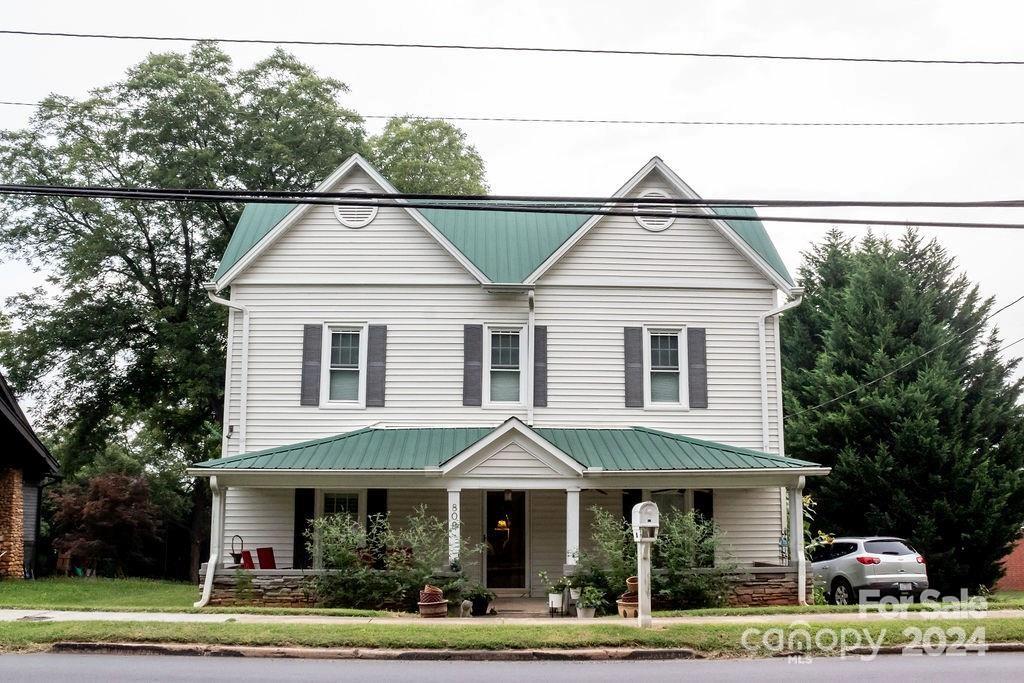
508 370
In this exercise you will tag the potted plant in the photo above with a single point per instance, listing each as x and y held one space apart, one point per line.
480 597
574 587
590 600
554 589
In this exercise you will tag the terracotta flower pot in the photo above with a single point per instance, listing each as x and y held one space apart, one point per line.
627 610
632 584
433 610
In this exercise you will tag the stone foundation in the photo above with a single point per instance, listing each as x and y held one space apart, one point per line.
269 587
762 586
12 525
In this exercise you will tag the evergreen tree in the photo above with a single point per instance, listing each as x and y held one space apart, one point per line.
932 450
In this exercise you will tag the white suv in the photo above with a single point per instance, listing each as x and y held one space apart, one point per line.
850 565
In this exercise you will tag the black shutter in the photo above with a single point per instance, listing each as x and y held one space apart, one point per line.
376 361
376 503
630 497
540 366
697 362
301 559
472 365
633 341
312 338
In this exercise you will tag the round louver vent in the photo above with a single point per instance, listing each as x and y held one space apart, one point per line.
654 223
355 216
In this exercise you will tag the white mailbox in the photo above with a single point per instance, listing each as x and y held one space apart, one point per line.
645 522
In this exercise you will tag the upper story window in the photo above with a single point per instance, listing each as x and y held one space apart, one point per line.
505 359
344 366
665 384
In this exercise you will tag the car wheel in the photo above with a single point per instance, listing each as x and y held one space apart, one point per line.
842 593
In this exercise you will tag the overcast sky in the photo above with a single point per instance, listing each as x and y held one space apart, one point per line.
804 163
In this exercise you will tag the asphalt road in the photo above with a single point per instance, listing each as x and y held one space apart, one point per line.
40 668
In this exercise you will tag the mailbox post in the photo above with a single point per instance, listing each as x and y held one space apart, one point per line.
645 533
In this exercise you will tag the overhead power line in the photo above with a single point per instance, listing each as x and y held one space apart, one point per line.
242 196
547 199
518 48
907 364
649 122
645 122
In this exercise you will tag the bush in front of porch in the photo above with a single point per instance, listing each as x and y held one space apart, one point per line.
382 565
688 570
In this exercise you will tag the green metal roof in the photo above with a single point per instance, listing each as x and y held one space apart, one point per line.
623 450
754 234
505 246
253 225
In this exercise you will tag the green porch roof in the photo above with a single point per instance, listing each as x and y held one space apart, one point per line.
619 450
505 246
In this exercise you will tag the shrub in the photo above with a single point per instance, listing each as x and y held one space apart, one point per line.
687 569
379 566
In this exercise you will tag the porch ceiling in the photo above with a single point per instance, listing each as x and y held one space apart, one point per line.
633 449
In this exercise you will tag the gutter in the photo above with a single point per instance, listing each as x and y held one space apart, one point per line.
210 288
216 539
798 293
530 351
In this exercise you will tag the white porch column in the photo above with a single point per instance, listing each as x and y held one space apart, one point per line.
796 538
572 526
454 524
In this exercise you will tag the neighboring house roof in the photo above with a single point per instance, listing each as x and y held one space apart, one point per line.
504 247
16 430
616 450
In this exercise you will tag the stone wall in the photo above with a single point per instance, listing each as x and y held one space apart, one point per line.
761 586
12 532
271 587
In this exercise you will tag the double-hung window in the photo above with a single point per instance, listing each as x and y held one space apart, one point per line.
344 365
666 386
505 352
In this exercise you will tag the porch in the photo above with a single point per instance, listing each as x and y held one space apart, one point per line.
526 496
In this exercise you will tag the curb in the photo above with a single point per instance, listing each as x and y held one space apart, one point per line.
196 650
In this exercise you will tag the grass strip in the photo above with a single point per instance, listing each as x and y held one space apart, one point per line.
707 639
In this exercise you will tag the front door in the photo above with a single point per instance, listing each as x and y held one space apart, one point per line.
506 539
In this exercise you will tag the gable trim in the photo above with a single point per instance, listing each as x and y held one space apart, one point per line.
680 185
298 212
464 462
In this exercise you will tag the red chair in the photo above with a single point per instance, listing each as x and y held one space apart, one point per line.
266 558
247 560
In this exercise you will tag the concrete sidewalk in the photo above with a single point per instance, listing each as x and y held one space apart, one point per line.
29 615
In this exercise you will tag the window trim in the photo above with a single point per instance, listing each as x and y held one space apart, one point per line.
325 365
318 504
487 403
684 378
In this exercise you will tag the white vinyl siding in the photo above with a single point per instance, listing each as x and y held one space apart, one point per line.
262 517
752 523
513 461
689 253
320 250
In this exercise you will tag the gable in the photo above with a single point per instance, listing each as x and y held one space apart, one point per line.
318 248
514 460
690 252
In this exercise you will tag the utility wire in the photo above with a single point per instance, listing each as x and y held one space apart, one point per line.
218 197
517 48
547 199
646 122
913 360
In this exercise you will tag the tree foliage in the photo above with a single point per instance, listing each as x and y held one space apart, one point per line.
933 451
428 156
109 523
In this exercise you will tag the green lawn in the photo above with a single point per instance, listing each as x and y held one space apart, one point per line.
129 595
707 639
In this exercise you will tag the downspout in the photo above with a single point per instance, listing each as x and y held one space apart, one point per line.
244 389
216 539
530 350
762 338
